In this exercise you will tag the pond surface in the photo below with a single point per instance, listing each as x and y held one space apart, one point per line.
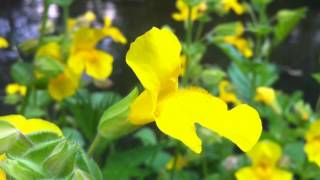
298 56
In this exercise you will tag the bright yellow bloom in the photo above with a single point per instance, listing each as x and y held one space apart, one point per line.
113 32
89 16
85 57
51 50
63 85
312 146
30 126
84 20
233 5
226 93
265 95
15 88
155 59
3 43
264 156
178 163
183 13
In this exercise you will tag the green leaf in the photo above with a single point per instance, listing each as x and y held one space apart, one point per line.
192 3
48 66
22 73
287 20
74 136
296 153
226 29
147 136
114 121
8 136
316 76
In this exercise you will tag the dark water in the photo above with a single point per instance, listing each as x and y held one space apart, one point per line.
298 56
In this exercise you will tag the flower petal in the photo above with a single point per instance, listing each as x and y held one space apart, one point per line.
312 151
142 109
179 111
246 173
265 151
99 64
155 59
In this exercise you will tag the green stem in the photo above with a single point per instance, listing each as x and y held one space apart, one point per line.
204 166
189 26
44 21
65 18
94 145
173 171
199 30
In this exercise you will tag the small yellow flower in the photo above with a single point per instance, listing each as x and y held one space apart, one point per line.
51 50
264 156
183 13
3 43
155 59
178 163
226 93
312 146
265 95
63 85
234 5
15 88
85 57
89 16
113 32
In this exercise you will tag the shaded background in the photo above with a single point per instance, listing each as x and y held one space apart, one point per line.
297 57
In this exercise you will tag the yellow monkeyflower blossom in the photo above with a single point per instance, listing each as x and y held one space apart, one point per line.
63 85
312 146
264 156
113 32
51 49
3 43
239 42
155 59
179 162
265 95
30 126
15 88
226 93
196 11
85 57
234 5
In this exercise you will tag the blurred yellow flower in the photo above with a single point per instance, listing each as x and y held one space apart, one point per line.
3 43
51 50
264 157
63 85
226 93
312 146
196 11
15 88
239 42
85 57
155 59
177 163
84 20
113 32
234 5
265 95
2 173
89 16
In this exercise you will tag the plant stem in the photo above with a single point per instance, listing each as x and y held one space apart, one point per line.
65 18
44 21
94 145
173 171
204 166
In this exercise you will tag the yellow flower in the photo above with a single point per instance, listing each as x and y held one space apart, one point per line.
63 85
51 50
265 95
3 43
89 16
233 5
15 88
113 32
312 146
264 156
71 24
30 126
178 163
155 59
84 56
182 15
226 93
